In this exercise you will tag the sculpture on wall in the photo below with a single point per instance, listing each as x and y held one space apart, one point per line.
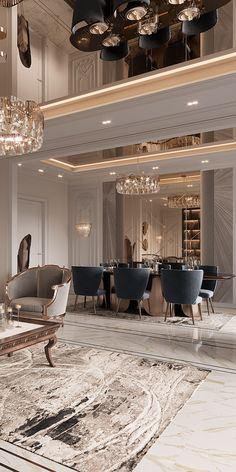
23 257
129 250
144 238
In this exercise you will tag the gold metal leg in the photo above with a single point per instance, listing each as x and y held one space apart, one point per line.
200 310
94 306
118 305
167 308
76 298
211 303
207 304
140 309
191 311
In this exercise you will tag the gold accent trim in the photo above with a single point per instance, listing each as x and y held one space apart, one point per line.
190 73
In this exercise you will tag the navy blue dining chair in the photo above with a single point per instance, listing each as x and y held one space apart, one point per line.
182 287
131 284
208 286
86 281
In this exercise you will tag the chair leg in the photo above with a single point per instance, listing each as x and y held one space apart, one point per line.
191 311
139 309
149 306
200 310
118 305
105 300
207 304
85 302
94 306
211 303
76 298
167 308
172 309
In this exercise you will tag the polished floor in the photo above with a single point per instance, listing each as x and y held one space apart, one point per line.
202 436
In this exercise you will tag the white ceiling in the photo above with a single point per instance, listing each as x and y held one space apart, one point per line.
50 19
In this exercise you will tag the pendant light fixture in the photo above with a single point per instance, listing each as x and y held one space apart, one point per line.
201 24
90 11
176 2
98 28
114 53
133 10
111 40
155 40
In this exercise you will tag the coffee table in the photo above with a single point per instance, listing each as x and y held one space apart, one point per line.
31 332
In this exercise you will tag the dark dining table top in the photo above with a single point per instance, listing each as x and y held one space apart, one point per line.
219 276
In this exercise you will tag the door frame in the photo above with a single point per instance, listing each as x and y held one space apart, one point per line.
44 204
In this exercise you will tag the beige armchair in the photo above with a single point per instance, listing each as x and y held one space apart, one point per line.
42 292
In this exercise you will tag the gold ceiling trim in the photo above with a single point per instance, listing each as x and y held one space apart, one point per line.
196 71
206 149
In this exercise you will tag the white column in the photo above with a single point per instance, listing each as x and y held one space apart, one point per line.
8 70
207 217
8 218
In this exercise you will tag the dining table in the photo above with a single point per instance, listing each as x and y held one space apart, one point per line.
156 305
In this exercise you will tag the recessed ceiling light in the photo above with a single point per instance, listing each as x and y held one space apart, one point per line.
106 122
150 201
19 164
194 102
155 168
112 173
204 162
165 204
41 171
60 176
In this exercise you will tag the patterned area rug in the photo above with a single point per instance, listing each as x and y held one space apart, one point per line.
96 411
215 321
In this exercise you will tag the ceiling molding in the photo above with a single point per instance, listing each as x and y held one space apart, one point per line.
171 78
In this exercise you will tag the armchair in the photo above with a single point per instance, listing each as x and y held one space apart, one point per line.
42 292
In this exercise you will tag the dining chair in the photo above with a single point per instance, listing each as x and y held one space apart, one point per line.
86 281
131 284
182 287
208 286
178 266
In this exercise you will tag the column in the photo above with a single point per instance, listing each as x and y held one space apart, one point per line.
8 70
8 218
207 217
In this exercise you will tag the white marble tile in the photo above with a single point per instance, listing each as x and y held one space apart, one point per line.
202 436
142 342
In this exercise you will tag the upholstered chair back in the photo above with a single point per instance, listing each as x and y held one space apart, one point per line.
181 286
131 283
86 280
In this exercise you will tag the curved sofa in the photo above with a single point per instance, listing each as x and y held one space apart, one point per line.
41 291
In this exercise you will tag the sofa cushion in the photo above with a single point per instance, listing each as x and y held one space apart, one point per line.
47 277
34 304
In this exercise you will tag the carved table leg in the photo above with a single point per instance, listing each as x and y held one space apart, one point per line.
47 348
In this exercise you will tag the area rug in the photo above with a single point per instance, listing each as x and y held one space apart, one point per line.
96 411
215 321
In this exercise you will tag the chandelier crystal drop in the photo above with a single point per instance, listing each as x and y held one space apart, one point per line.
111 40
138 184
184 201
98 28
9 3
21 126
189 14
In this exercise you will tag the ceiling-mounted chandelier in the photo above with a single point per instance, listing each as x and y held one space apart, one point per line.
9 3
21 126
184 201
96 22
138 184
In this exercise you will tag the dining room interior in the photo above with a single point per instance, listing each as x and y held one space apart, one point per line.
118 224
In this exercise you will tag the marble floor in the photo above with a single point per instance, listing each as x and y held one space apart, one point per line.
202 436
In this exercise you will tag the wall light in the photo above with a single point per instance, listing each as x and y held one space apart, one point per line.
83 229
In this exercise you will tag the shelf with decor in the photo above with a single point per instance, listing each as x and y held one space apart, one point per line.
191 241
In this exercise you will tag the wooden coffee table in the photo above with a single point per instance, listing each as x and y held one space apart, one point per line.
31 332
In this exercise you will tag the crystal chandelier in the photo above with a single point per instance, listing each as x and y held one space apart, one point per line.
138 184
184 201
21 126
190 13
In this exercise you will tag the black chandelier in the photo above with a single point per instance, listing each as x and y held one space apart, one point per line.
108 25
